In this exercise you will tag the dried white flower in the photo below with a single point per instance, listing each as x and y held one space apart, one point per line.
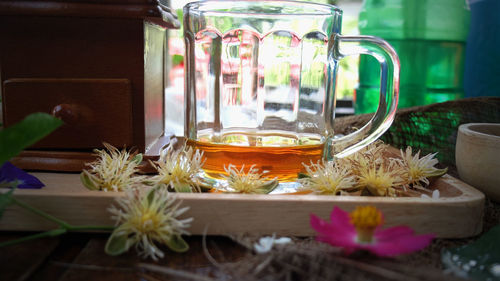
179 169
418 170
145 218
327 178
250 182
113 170
379 180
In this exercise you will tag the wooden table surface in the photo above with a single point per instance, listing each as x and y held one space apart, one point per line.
79 256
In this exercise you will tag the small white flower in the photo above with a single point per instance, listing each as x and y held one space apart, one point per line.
266 243
435 195
495 269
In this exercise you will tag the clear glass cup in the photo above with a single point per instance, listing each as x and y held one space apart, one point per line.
260 84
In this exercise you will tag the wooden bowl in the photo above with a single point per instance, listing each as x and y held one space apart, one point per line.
477 157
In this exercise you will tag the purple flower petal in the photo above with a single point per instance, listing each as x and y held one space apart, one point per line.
10 173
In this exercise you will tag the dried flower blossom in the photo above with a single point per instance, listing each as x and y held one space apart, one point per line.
327 178
361 230
147 217
179 169
418 170
113 170
251 182
379 180
372 153
372 171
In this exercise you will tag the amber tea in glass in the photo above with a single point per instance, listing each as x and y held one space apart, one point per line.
279 160
260 84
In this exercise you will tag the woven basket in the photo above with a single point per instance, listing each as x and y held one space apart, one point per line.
431 128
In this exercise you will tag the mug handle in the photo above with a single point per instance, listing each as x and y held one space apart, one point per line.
389 91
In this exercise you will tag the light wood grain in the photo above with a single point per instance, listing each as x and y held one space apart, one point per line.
458 213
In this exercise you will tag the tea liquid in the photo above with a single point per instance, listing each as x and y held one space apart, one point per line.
282 161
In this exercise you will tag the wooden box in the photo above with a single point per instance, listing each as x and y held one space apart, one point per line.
97 65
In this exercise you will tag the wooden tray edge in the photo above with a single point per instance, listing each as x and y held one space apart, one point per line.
452 217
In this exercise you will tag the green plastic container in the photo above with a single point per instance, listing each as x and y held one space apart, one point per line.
429 37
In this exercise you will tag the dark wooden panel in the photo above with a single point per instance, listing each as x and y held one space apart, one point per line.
88 39
70 161
94 110
119 9
66 47
73 48
18 262
69 247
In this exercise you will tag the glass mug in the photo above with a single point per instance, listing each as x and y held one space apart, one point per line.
260 85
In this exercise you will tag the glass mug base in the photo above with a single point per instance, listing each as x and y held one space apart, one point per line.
277 154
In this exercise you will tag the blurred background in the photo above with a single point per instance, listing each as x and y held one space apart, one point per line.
346 83
446 49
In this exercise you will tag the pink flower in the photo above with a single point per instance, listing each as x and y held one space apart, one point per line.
360 230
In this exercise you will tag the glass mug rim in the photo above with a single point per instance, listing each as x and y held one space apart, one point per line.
314 9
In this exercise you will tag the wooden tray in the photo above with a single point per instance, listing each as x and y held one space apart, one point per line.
458 213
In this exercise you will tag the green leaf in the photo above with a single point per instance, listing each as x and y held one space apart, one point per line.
117 244
5 200
269 186
302 175
479 260
439 172
436 174
137 159
177 244
25 133
151 193
148 182
206 184
87 181
367 192
183 187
